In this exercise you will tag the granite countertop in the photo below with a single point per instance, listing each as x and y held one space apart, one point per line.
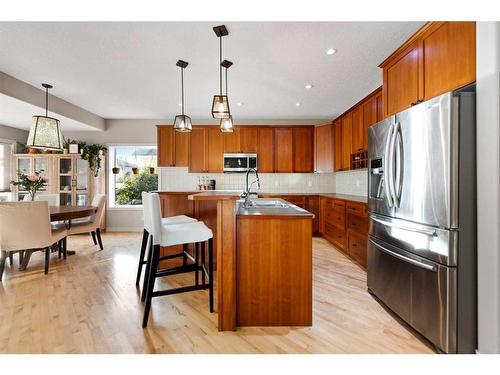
215 195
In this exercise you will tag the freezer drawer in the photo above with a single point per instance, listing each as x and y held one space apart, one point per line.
421 292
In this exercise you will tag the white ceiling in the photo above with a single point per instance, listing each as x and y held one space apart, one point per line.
127 70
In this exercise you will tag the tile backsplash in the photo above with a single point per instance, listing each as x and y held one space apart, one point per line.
179 179
352 182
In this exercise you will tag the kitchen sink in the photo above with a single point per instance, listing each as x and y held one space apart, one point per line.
267 203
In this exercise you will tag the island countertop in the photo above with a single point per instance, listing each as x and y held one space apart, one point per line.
215 195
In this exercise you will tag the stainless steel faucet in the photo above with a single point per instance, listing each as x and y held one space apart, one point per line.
246 194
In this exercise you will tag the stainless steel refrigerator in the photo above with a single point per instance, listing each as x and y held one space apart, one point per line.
422 204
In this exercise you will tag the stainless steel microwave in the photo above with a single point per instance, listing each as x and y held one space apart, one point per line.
239 162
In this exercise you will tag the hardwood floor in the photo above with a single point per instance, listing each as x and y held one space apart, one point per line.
89 304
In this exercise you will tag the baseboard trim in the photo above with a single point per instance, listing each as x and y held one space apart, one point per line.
124 229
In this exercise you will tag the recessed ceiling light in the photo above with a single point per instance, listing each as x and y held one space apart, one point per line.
239 104
297 104
308 86
331 51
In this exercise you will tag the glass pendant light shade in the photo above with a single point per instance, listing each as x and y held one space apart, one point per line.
45 132
220 107
182 123
226 125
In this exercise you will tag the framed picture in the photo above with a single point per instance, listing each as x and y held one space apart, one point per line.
73 148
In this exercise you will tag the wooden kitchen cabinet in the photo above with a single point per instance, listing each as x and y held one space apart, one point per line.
438 58
401 80
380 106
249 139
337 146
216 140
369 118
198 150
181 153
346 141
165 139
283 149
357 138
265 158
303 149
323 148
231 141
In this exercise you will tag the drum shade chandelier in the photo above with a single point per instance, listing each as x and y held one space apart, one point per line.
220 103
45 132
182 123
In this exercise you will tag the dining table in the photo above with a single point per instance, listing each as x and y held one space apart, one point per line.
63 214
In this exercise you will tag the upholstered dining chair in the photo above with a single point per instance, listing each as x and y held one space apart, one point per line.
53 199
93 224
26 226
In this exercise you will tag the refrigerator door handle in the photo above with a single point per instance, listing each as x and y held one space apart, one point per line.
414 262
391 176
430 233
387 168
398 163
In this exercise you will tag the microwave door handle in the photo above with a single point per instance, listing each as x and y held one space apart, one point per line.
429 233
387 168
406 259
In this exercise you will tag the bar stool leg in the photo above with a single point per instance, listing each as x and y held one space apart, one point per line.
148 268
141 256
196 260
203 263
65 247
151 284
211 272
47 260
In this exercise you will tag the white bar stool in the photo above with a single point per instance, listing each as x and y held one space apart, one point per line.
172 220
179 234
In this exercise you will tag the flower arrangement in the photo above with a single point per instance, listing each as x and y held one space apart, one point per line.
31 183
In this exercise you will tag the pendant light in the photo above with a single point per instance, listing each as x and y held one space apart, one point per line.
182 123
226 124
45 132
220 104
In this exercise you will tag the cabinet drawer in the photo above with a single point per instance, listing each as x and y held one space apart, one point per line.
356 209
339 206
336 219
335 236
356 247
357 224
297 200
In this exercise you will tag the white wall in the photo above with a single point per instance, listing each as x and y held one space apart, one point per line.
13 134
488 184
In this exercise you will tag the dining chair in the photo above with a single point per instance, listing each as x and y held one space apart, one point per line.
93 224
26 226
53 199
196 233
178 219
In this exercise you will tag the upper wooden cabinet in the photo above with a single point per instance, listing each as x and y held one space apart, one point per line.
198 152
216 144
372 113
249 141
303 149
440 57
346 140
265 160
337 146
173 147
283 149
231 140
357 138
323 148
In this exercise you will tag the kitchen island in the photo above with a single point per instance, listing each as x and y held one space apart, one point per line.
264 262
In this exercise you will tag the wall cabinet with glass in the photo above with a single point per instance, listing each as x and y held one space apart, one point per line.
29 164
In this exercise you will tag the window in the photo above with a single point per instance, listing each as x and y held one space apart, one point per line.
137 173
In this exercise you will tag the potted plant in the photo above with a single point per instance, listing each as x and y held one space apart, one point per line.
93 153
31 183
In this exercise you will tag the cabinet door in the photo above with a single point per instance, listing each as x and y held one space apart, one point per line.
346 141
380 107
369 118
215 150
165 142
337 148
449 58
231 141
357 139
283 144
401 80
265 158
323 148
313 206
198 150
303 149
181 148
249 142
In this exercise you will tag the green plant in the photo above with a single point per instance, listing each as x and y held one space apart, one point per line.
92 153
134 185
31 183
